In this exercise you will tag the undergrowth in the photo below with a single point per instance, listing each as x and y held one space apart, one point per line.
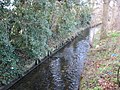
102 64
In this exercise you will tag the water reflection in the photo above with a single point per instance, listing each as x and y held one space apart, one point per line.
60 72
65 70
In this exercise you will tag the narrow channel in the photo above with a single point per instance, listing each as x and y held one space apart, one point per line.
60 72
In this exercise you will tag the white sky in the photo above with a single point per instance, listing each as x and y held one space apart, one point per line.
10 6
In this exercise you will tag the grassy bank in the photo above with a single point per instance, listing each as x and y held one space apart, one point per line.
101 67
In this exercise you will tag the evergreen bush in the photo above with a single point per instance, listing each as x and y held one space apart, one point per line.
30 25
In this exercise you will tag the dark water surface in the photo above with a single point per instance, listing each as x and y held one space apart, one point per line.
60 72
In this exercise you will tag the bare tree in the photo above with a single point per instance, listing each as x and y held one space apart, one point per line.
113 8
118 16
104 19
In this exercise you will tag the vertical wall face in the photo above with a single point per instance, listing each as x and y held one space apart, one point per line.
91 37
92 34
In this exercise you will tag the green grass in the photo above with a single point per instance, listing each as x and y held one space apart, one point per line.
114 34
97 88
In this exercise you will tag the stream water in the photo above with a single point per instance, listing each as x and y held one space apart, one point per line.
60 72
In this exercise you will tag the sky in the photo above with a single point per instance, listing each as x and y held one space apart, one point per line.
10 6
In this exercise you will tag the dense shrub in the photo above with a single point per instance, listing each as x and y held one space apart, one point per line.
29 24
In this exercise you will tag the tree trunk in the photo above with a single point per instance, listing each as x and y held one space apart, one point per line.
113 16
118 16
104 19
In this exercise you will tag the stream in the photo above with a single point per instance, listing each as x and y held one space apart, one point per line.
60 72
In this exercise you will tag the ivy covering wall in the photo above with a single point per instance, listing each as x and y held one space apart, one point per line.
31 28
